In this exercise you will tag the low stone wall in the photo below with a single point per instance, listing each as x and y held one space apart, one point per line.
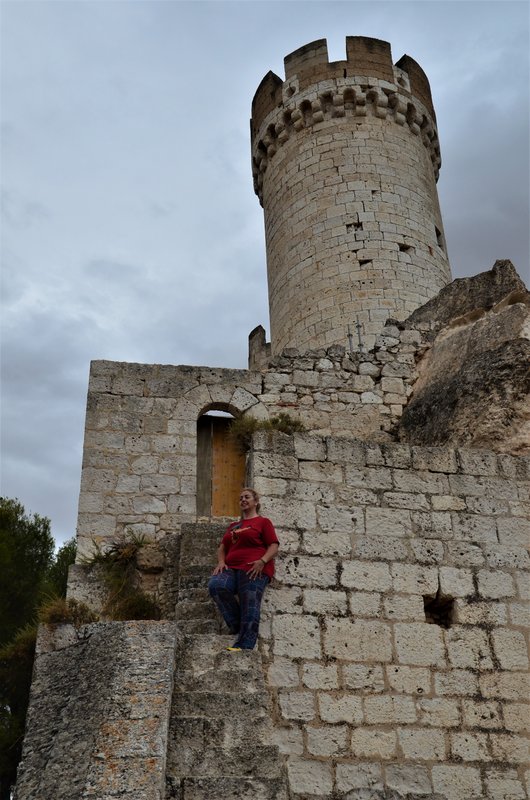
99 710
368 696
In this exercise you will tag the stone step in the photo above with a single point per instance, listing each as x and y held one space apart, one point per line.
246 761
191 626
199 733
227 789
216 704
220 680
195 609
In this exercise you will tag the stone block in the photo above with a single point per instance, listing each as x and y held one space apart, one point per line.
414 579
368 477
474 527
456 582
365 604
468 648
409 680
309 777
434 459
455 782
468 746
340 708
510 649
307 571
422 482
514 531
447 502
366 576
289 741
391 709
296 636
408 779
283 599
407 500
477 462
520 614
309 448
320 676
504 785
297 705
404 607
481 714
373 743
465 554
429 551
493 584
363 678
435 525
507 556
388 522
517 717
345 451
419 644
327 741
380 548
283 672
510 748
361 640
456 682
358 776
325 601
422 744
439 712
505 685
470 612
320 471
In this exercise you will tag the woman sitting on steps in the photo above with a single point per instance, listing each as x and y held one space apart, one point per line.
245 565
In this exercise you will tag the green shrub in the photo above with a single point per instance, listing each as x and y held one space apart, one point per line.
59 611
243 428
119 568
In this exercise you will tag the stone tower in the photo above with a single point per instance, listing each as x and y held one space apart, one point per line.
345 159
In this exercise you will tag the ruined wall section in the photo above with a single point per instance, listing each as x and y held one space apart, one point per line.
99 712
345 162
369 697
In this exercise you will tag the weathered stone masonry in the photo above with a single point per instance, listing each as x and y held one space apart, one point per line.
368 694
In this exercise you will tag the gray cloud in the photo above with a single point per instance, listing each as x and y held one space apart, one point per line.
131 231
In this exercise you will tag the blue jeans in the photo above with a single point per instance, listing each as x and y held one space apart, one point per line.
241 616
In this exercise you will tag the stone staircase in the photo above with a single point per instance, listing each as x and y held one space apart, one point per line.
220 725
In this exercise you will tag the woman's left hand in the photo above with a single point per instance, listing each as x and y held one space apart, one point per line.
256 568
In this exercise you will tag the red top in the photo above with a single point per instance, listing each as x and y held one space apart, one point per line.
247 540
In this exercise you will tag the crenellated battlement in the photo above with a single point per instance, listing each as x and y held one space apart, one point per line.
365 57
366 83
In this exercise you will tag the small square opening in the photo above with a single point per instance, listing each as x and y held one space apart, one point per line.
439 610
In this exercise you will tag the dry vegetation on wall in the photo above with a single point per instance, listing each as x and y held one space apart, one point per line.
118 567
242 429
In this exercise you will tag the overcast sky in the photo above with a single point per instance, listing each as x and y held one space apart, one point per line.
130 229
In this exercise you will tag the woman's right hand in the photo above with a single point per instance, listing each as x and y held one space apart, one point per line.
221 566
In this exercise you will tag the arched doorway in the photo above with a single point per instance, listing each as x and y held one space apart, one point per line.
220 466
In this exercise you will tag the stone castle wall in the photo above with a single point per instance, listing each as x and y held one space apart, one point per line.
140 449
345 165
368 696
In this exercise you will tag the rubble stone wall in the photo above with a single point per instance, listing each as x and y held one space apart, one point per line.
368 695
99 712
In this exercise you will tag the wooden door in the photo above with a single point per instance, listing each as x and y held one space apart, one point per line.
220 469
228 471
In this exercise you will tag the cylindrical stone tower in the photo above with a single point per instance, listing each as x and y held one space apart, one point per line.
345 159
